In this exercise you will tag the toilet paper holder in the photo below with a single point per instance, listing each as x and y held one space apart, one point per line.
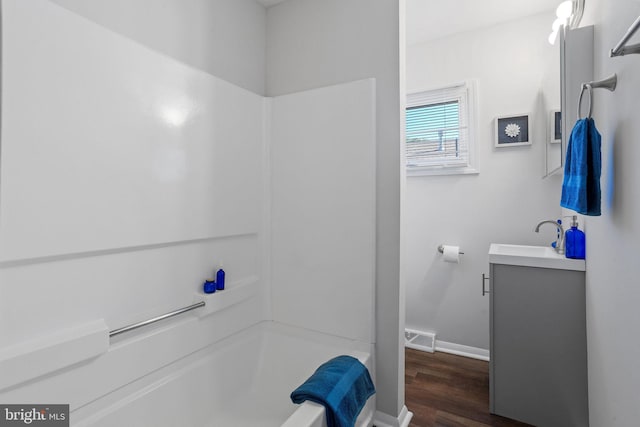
441 250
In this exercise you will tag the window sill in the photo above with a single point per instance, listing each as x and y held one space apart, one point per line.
435 171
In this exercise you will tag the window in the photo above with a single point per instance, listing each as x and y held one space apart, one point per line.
438 131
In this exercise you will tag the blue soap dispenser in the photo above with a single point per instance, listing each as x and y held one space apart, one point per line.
574 241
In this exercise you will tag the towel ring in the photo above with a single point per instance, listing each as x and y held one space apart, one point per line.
585 86
609 83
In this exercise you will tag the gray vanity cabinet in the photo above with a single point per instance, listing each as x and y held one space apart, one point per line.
538 361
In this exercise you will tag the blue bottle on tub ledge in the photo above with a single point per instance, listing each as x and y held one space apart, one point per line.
574 241
209 286
220 278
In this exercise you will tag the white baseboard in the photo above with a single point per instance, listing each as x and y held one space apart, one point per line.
462 350
384 420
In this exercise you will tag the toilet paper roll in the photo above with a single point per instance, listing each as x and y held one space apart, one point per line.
451 253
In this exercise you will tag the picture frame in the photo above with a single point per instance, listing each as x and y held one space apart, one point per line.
555 127
512 131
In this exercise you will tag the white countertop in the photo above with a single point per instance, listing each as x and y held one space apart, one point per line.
532 256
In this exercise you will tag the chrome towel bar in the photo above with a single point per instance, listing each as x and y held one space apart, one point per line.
155 319
621 48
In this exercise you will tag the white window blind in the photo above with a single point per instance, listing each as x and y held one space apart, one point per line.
437 128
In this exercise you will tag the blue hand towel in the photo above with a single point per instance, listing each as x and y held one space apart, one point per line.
342 385
582 169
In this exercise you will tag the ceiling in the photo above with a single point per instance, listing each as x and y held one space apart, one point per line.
432 19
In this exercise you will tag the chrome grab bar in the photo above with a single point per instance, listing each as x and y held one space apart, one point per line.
155 319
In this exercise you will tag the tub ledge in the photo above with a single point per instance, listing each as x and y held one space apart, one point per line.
305 413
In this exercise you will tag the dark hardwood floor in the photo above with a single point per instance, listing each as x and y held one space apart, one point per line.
444 390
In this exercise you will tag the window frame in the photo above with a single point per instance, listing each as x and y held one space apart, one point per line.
464 93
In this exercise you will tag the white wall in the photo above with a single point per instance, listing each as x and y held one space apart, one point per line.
226 38
504 202
319 43
125 284
322 153
96 177
612 239
149 135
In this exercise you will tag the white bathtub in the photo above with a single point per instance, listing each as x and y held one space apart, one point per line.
242 381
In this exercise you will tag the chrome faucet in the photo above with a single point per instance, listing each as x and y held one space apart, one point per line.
560 239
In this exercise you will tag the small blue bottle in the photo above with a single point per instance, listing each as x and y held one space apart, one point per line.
220 278
574 241
209 286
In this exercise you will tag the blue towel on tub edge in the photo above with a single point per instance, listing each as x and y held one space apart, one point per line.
342 385
582 169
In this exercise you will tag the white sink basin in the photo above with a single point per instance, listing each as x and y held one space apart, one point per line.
532 256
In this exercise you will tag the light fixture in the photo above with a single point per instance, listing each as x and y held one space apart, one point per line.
569 14
563 13
565 9
556 24
555 27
